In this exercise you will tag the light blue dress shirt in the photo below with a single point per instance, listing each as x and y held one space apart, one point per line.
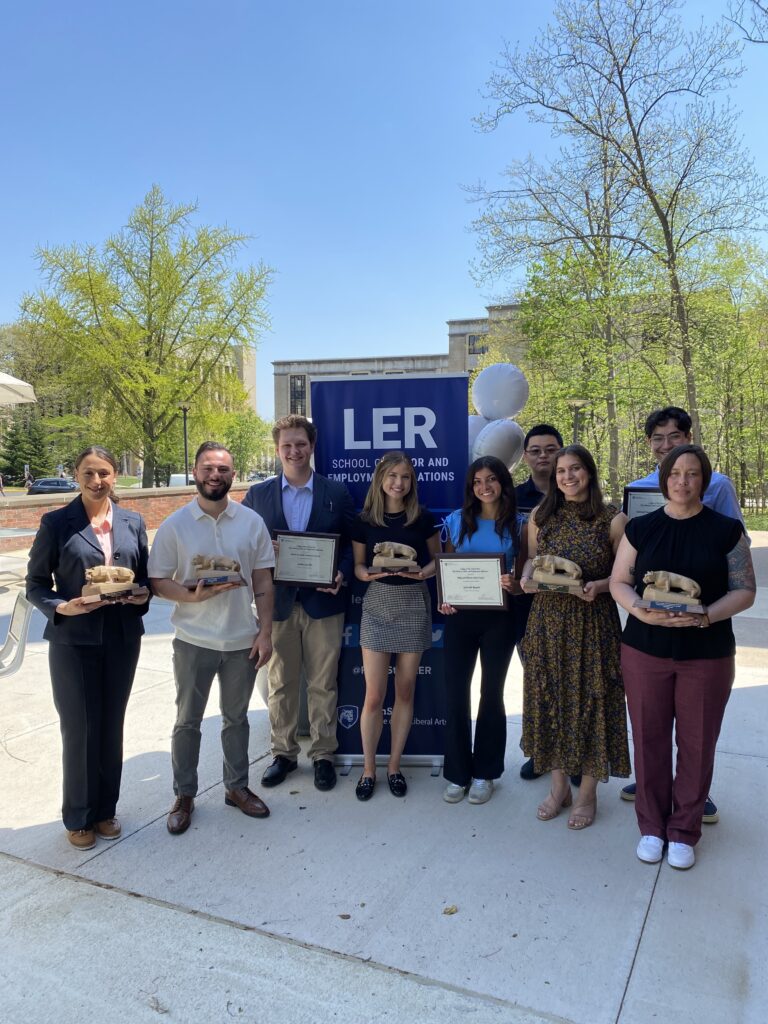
720 496
297 504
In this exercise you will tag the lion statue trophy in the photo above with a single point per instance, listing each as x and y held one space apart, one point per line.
551 572
671 591
389 556
105 582
213 569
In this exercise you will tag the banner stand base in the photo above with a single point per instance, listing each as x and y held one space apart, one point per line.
345 762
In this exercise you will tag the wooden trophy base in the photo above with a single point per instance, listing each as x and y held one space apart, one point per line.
394 565
670 601
555 582
105 592
212 578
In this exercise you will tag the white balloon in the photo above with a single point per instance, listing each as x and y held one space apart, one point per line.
474 426
502 438
500 391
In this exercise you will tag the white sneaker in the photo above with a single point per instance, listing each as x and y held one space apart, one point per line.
480 791
681 855
454 793
650 849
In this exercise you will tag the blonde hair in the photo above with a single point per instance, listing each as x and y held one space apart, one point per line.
373 509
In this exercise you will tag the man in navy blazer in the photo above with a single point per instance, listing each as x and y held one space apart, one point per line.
308 623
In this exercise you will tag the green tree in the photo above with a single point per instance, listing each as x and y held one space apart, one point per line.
247 436
625 76
150 322
25 443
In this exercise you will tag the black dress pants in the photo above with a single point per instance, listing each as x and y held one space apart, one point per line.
91 687
492 635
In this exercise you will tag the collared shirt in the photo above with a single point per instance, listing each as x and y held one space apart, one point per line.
104 535
227 621
719 496
297 503
528 497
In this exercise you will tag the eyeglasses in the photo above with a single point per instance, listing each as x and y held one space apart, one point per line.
536 452
675 438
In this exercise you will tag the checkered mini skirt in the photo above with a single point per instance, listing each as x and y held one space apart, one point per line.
396 619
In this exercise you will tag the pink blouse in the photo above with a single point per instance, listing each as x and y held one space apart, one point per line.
104 535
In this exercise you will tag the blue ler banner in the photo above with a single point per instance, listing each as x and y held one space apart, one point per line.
358 420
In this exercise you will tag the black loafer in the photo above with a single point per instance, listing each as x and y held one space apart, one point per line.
277 771
364 788
527 772
397 784
325 774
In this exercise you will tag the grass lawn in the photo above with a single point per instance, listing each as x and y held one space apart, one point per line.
756 521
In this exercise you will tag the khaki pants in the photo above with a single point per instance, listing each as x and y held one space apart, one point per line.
315 644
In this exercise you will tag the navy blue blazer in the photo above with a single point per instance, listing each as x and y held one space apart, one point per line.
64 547
332 512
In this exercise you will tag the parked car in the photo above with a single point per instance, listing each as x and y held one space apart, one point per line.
52 485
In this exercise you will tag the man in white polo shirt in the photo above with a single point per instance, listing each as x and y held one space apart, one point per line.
216 631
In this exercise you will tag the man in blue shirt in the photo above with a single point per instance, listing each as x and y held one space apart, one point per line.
308 623
665 429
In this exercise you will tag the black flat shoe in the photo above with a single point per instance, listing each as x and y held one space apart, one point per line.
397 784
364 788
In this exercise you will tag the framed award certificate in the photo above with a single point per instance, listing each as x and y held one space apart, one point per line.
306 559
639 501
470 581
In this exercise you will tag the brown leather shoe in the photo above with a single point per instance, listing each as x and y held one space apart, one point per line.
180 816
82 838
247 801
108 829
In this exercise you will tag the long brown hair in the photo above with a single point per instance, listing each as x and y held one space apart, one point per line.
373 508
555 499
506 517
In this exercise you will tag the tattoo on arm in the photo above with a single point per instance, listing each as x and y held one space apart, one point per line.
631 570
741 573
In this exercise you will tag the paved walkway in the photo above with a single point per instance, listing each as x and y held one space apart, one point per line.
396 910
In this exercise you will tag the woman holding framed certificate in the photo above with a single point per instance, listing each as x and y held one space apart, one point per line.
397 615
487 523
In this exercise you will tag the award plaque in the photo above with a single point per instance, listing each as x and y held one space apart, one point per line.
639 501
306 559
211 570
470 581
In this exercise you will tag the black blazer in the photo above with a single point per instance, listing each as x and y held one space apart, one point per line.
64 547
332 512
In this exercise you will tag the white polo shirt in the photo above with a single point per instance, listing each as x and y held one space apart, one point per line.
226 622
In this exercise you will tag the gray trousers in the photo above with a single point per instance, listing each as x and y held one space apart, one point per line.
194 669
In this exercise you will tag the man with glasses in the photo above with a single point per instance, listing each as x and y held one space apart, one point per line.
542 443
665 429
216 631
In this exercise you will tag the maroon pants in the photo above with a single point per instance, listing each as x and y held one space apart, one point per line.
691 695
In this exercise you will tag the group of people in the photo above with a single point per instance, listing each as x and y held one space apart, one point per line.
578 665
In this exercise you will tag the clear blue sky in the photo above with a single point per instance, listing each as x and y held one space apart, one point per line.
337 133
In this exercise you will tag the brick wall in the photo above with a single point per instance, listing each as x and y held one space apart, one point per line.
155 504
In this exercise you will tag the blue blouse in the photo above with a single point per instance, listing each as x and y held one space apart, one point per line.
485 540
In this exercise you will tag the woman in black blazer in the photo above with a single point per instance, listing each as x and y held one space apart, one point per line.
94 648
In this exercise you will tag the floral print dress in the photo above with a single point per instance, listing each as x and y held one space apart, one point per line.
574 715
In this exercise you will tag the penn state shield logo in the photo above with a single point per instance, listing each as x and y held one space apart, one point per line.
348 715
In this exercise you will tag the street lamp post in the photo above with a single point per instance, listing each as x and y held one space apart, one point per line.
184 411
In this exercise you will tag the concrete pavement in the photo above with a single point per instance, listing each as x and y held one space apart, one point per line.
332 910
